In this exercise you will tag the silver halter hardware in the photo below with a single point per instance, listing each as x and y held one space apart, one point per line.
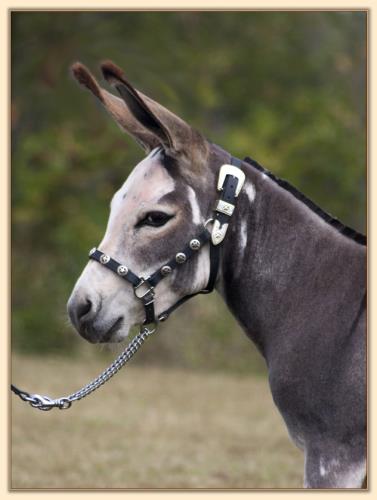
122 270
180 257
195 244
144 290
165 270
235 172
105 259
219 230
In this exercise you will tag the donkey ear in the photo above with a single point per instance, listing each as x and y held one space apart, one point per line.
117 109
174 134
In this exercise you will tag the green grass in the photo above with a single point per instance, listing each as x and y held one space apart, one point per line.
149 428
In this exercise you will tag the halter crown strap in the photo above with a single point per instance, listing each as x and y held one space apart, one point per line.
230 181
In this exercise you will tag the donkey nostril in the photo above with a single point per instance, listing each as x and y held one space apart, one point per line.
83 309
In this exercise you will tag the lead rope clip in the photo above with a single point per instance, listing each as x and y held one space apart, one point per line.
45 403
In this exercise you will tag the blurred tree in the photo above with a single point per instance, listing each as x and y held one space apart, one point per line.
287 88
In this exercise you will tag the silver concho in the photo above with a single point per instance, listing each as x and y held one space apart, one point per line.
92 251
194 244
104 259
122 270
165 270
180 257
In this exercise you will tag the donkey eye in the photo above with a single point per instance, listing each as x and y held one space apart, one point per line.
154 219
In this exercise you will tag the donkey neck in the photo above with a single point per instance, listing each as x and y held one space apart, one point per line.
282 263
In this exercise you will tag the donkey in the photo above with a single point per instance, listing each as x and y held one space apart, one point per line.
293 276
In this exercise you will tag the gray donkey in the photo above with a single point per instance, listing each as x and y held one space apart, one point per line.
293 276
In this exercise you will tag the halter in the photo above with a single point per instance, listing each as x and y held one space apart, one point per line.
230 181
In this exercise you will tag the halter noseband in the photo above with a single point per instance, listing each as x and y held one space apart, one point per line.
230 181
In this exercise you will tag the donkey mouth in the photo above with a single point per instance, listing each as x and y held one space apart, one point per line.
112 331
94 335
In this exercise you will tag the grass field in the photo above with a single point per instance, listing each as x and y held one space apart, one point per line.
149 428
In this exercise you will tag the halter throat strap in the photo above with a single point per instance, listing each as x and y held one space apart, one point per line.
230 181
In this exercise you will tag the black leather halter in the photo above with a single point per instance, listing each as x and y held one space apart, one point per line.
144 288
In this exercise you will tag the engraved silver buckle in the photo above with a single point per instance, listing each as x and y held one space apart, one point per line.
235 172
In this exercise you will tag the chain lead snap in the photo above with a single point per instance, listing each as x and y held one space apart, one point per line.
64 404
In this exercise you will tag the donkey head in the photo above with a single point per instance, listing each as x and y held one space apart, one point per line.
162 204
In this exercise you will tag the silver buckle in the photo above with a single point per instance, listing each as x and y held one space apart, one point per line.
144 295
235 172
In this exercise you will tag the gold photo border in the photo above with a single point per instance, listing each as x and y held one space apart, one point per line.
6 7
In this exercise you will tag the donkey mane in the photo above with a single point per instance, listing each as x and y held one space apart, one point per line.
333 221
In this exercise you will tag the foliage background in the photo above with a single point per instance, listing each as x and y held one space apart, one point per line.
287 88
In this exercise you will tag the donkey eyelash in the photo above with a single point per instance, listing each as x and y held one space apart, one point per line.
154 219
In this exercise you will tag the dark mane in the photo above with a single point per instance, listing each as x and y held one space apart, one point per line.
347 231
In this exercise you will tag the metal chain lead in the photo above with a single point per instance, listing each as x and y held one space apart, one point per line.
46 403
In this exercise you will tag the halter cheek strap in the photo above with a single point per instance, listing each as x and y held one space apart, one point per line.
144 287
230 181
